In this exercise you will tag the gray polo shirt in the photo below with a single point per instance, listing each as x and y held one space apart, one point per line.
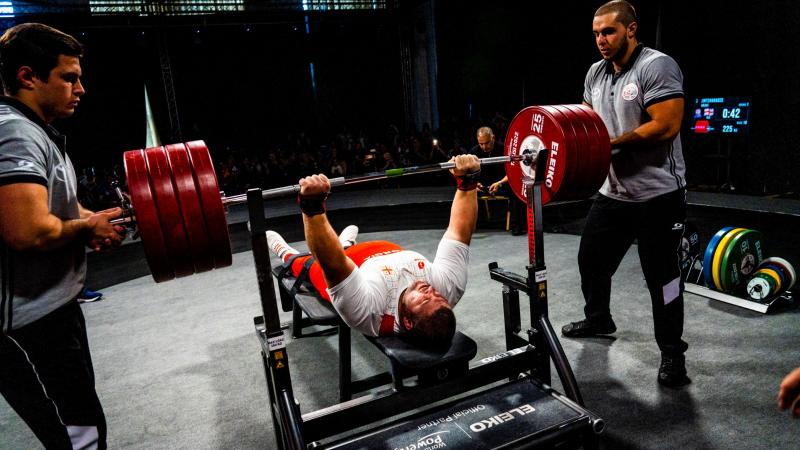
621 99
34 283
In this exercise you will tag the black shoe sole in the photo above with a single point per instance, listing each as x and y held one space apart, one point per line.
587 333
675 383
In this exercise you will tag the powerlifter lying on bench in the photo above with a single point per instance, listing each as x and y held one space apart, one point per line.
380 289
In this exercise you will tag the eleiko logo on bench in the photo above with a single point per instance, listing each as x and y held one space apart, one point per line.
485 424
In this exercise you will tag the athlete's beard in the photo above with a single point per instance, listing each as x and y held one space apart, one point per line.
620 54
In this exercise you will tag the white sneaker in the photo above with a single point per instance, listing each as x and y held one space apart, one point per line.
348 236
279 246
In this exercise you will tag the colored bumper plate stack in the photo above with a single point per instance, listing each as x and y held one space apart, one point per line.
715 263
739 259
773 277
708 256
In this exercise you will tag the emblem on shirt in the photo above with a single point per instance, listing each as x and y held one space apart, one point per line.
24 165
387 270
630 91
420 264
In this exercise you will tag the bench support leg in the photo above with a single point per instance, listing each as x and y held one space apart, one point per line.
345 361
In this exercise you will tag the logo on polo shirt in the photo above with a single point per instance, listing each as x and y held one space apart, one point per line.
630 91
25 165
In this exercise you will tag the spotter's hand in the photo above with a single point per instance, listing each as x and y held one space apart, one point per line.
102 234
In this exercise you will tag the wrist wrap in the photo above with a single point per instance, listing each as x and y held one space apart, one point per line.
312 205
469 181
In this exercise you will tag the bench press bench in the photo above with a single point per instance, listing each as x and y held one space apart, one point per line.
502 401
405 360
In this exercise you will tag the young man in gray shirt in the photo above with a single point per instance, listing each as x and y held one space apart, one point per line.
638 92
46 372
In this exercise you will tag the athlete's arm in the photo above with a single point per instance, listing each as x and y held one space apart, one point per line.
464 211
321 238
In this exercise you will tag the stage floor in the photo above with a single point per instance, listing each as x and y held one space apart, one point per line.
178 364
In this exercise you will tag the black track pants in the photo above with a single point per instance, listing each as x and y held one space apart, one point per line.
46 376
658 226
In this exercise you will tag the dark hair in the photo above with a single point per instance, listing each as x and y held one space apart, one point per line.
35 45
625 12
434 331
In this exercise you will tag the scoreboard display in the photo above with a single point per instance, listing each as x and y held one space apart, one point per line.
721 115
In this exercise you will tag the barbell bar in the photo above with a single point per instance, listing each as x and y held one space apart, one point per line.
287 191
176 203
290 190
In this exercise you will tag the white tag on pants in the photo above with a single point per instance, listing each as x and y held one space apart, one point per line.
671 290
83 437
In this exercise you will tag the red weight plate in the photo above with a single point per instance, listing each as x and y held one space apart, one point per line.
594 176
169 212
534 128
580 151
594 173
571 155
206 180
604 153
191 211
605 144
147 219
586 151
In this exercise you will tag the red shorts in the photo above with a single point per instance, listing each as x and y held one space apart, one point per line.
358 253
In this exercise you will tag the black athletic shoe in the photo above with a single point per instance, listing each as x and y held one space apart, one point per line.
672 372
585 328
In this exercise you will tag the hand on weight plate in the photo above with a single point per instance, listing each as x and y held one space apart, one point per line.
314 185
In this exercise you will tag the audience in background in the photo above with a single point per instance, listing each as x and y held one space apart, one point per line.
346 153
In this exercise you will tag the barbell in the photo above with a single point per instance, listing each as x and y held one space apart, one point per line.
180 213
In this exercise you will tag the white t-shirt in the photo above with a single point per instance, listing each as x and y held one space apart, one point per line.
372 291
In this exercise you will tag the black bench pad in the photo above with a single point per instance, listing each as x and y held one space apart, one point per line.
409 358
317 309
